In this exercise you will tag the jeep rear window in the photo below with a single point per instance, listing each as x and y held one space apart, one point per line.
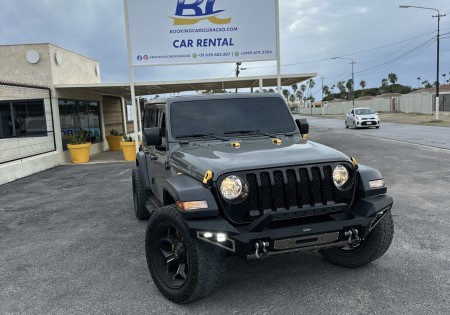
217 116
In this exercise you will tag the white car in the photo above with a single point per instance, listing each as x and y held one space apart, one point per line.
362 117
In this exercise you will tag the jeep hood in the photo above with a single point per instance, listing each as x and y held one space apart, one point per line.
222 157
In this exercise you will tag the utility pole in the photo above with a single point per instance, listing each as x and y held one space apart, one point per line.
353 78
237 71
438 16
321 102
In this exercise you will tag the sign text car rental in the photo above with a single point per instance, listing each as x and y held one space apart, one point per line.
167 32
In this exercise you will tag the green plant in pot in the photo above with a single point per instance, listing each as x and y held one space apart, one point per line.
79 149
114 139
128 148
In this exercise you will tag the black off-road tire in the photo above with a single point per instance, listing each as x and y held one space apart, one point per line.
372 248
205 262
140 195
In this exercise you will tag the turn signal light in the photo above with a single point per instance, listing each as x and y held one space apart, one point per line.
192 205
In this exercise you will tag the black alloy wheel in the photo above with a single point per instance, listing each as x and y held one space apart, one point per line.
170 257
182 267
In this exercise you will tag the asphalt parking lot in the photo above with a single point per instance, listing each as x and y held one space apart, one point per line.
69 243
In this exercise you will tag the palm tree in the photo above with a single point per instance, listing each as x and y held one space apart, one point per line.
426 84
285 94
294 87
311 84
418 82
362 84
299 95
292 98
392 78
342 89
384 84
349 86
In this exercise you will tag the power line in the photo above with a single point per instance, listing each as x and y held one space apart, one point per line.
420 47
351 54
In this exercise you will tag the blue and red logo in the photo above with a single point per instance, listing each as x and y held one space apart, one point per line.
199 10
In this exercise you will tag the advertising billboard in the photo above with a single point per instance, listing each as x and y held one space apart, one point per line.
168 32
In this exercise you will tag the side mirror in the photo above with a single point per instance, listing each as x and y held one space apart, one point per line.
153 136
303 126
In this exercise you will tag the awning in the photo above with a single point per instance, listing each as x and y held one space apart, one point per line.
151 88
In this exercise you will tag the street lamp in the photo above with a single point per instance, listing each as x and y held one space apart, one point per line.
353 78
439 15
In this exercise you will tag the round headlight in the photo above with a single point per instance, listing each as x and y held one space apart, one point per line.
340 176
234 189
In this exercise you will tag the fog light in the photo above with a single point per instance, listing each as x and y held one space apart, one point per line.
221 237
207 235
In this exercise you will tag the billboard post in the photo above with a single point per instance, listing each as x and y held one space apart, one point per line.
131 74
277 22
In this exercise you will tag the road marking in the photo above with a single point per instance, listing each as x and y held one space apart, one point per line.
123 172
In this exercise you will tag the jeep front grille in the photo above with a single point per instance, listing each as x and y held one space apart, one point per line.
286 188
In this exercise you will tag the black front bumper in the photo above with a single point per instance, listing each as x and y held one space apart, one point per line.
291 231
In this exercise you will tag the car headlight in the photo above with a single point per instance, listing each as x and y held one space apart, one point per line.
234 189
341 177
358 118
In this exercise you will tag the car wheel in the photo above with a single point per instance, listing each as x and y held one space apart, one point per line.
377 127
354 125
183 268
370 249
140 195
346 126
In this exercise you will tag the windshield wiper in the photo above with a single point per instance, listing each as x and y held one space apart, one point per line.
201 135
255 131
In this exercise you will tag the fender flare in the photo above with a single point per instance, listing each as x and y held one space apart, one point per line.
185 188
141 164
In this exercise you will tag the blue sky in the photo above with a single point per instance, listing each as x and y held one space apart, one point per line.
312 32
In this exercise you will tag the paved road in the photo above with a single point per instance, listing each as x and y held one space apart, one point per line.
427 135
69 244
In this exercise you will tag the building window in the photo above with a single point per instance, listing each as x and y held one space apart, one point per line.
22 118
79 116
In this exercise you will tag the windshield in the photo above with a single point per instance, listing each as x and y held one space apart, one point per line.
364 111
221 116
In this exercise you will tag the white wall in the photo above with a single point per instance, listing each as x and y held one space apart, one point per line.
421 103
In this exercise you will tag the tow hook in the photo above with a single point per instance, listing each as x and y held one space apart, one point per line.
258 245
352 235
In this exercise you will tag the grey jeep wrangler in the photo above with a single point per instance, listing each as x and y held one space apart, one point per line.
234 174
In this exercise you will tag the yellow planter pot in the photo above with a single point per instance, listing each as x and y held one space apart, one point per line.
129 150
79 152
114 142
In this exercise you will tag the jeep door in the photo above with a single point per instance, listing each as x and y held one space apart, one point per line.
160 161
150 119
